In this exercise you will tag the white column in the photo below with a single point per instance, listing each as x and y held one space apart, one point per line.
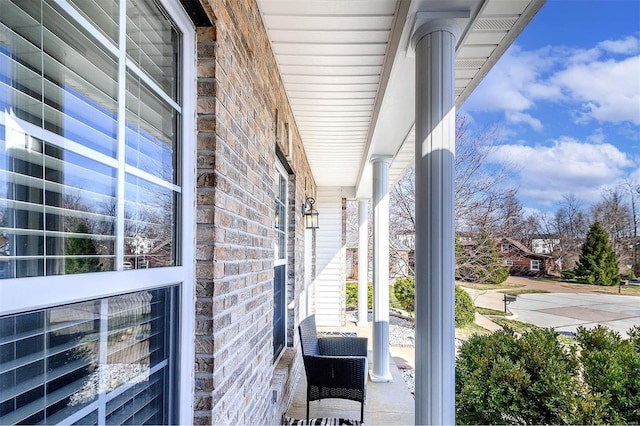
305 310
363 262
380 372
435 43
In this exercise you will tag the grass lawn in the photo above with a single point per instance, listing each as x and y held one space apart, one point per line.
627 289
478 286
464 333
523 327
524 291
492 312
517 326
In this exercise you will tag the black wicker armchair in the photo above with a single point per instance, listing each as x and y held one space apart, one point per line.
336 367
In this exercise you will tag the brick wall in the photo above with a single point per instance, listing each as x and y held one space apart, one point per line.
239 92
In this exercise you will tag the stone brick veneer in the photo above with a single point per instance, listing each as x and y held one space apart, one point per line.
240 97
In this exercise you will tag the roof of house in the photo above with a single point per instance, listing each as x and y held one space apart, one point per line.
524 249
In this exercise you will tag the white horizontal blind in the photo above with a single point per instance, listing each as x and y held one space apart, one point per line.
106 358
60 142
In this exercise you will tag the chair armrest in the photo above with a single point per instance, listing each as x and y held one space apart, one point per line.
336 372
343 346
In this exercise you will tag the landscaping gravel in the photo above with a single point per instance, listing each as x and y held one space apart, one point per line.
402 333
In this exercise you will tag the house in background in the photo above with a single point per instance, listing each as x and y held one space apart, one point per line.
524 262
401 261
545 244
158 159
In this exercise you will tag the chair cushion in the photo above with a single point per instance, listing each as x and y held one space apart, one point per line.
328 421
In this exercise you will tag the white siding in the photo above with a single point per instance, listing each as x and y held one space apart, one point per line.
330 254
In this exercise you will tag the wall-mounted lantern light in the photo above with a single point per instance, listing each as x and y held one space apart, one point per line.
310 214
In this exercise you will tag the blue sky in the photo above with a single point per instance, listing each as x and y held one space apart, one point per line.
566 100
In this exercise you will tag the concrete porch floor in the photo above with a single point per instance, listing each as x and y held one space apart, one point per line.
386 403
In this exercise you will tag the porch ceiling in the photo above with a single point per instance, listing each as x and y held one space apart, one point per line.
350 77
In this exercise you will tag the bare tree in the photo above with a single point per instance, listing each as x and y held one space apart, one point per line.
617 220
482 204
479 194
402 204
571 225
530 228
352 237
633 191
614 215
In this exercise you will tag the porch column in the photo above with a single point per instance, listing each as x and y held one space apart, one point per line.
363 262
380 372
435 42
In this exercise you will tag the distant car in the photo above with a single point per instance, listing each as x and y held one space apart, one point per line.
128 265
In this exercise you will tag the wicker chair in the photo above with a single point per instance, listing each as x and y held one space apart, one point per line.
336 367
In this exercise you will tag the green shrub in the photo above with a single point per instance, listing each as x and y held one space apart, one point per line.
611 369
634 336
498 274
568 274
352 295
465 310
505 379
405 291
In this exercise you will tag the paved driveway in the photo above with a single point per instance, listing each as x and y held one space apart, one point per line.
566 312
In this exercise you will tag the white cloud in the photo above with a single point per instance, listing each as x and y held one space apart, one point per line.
597 136
592 84
546 173
580 56
514 83
609 91
628 45
521 117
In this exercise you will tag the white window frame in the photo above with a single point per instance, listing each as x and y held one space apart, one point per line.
32 293
504 247
281 171
508 262
536 262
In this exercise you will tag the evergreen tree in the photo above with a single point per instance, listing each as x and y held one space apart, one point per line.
78 247
597 263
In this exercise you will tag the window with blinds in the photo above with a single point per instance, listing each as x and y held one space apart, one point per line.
90 142
89 137
106 361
